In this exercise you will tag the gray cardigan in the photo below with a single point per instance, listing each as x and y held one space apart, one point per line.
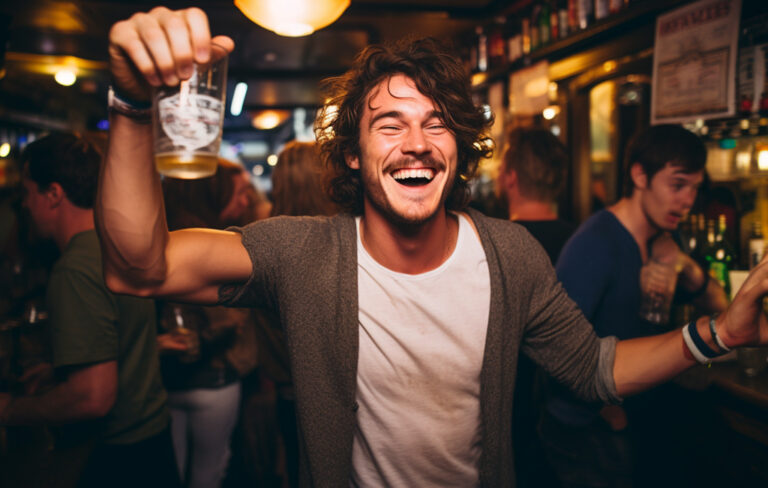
306 270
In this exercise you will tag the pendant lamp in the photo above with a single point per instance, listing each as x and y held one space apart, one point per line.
292 18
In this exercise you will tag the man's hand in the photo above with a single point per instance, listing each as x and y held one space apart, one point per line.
158 48
170 343
744 323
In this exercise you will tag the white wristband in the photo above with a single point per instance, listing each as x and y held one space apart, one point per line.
692 346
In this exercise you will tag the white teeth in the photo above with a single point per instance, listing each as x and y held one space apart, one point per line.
405 173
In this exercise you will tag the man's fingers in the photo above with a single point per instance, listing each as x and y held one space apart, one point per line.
177 32
153 36
199 32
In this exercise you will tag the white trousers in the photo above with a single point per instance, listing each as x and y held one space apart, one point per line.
202 421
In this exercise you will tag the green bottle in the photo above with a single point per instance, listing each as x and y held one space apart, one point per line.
719 254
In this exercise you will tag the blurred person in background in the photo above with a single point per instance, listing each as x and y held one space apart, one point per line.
591 444
207 350
107 392
531 178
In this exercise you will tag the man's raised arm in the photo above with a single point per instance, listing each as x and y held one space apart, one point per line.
140 256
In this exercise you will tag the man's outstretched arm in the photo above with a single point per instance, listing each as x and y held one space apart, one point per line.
645 362
140 256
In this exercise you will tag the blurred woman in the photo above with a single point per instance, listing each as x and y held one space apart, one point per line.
207 349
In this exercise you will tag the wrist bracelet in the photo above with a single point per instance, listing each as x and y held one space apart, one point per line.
716 337
140 112
700 350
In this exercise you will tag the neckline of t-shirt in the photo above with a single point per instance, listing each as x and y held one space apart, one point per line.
464 230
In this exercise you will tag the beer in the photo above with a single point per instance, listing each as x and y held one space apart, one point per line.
186 165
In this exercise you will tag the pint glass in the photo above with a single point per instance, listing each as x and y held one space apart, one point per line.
187 120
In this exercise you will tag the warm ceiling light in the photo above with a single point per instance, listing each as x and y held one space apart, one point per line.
292 18
269 119
65 77
5 150
272 160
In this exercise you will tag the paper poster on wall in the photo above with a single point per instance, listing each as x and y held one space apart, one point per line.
694 62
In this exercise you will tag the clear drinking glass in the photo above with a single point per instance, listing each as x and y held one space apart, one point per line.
187 120
657 285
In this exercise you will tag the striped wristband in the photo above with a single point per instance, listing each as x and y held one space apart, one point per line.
700 350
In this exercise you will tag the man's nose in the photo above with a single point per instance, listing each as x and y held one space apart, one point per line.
689 198
416 142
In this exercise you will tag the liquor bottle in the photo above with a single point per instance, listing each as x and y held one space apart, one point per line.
545 27
482 50
554 22
535 33
573 16
562 19
497 49
514 42
756 244
614 6
525 30
719 254
601 9
586 13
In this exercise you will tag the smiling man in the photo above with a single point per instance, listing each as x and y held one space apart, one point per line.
404 316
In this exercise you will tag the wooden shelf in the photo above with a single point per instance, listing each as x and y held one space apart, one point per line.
638 14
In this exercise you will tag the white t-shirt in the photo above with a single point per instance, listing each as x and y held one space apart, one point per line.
422 339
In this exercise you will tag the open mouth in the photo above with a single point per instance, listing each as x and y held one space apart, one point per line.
414 177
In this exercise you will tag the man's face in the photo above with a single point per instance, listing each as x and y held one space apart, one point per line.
39 207
669 195
407 156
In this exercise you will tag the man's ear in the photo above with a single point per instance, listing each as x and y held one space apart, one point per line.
353 161
54 195
639 178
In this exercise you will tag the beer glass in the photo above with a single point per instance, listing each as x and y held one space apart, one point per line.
657 285
187 120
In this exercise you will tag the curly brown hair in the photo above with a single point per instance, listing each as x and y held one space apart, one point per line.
439 75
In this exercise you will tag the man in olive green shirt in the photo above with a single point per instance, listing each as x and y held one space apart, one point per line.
104 347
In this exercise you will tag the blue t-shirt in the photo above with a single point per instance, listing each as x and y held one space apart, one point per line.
599 267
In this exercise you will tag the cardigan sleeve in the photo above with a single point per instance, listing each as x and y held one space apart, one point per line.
559 338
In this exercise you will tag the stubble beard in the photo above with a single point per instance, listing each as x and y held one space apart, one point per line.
407 224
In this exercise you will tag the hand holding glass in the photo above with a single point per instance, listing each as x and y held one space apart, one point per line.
187 120
657 285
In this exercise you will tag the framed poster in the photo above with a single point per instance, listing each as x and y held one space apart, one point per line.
694 62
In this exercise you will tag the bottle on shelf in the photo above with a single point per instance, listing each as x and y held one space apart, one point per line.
562 19
573 16
586 13
482 50
525 31
545 26
601 9
554 22
756 244
719 254
535 33
497 48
